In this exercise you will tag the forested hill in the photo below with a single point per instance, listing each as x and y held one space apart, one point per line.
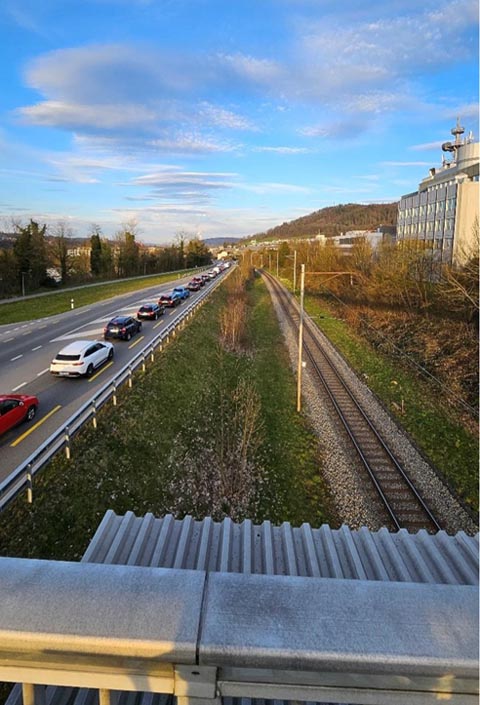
335 220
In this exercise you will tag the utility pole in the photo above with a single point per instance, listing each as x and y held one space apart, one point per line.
23 283
300 340
269 261
294 271
277 264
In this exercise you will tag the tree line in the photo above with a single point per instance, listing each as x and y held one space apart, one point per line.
42 257
404 275
334 220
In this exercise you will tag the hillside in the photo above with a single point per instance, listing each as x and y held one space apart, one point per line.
334 220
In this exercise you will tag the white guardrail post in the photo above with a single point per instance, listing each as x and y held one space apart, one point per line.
22 477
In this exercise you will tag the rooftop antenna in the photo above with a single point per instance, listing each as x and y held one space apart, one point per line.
456 132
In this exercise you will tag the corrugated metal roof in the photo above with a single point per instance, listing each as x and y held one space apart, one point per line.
275 550
284 550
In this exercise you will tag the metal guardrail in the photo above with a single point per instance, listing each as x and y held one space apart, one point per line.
22 477
207 636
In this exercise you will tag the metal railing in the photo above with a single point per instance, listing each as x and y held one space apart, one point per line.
22 477
207 636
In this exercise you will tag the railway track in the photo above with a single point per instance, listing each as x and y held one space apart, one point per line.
402 501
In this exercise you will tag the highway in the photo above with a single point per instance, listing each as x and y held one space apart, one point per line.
27 348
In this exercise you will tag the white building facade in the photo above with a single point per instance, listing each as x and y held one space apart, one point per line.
443 213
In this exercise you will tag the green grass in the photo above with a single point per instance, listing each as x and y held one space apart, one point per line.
125 464
59 301
434 425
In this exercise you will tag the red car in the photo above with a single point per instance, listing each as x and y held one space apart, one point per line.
15 408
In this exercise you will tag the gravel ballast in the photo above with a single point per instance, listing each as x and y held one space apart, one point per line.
355 502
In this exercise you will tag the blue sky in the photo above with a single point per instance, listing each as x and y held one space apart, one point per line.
224 118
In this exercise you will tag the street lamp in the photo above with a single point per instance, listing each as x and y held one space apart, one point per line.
300 340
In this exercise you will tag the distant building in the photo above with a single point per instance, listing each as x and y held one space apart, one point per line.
443 213
384 233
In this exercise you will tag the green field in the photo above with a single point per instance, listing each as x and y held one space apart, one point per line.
156 450
436 427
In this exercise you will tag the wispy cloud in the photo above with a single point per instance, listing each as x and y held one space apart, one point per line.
405 164
427 147
283 150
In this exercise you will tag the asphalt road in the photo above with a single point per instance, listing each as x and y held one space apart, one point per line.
26 350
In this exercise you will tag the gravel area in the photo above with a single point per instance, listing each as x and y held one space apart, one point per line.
354 500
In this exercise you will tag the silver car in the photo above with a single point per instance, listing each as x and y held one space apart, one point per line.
81 358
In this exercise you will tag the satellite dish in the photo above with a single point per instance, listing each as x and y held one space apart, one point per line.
448 147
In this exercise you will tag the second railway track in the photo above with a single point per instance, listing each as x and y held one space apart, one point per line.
402 501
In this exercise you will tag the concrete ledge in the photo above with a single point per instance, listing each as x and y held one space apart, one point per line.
99 610
286 622
131 628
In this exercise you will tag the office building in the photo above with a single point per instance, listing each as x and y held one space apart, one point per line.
443 213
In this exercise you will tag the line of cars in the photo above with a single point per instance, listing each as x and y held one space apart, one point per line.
82 357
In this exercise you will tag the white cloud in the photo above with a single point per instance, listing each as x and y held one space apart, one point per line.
190 143
407 164
427 146
269 188
73 115
224 118
283 150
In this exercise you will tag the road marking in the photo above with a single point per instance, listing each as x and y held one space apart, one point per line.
136 342
43 372
12 359
37 348
40 327
109 364
158 324
19 386
35 426
27 332
8 340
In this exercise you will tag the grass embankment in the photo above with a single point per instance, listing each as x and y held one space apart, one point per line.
181 411
60 301
419 405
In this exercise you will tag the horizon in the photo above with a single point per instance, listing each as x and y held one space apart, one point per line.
225 120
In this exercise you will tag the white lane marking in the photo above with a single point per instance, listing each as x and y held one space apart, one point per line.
42 372
8 340
12 359
37 348
19 386
27 332
79 334
41 327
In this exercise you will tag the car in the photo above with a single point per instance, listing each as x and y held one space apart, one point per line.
194 285
199 280
15 408
81 358
205 278
183 291
150 311
122 327
170 300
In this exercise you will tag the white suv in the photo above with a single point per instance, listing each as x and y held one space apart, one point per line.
81 358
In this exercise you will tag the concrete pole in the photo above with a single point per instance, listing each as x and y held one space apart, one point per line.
277 263
300 340
294 271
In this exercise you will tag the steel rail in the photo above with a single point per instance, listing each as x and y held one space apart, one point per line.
21 477
396 467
